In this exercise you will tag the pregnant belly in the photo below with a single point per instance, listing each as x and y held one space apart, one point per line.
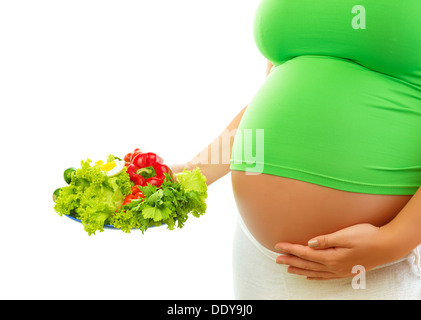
338 145
278 209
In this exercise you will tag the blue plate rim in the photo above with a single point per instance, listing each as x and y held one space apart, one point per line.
107 226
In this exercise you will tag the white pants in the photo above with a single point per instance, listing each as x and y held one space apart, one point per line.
256 275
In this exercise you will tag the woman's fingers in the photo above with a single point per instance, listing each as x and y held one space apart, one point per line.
303 252
300 263
313 275
309 269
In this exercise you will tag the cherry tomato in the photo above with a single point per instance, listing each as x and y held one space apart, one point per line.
139 195
128 199
135 189
128 157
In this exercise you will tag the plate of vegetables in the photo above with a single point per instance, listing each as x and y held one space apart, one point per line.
137 192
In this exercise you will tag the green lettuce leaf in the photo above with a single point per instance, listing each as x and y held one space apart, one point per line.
194 184
92 196
192 180
126 220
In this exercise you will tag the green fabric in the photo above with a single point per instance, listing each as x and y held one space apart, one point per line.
342 106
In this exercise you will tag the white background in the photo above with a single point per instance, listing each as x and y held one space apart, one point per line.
86 78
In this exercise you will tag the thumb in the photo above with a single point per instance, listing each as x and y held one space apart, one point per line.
327 241
178 167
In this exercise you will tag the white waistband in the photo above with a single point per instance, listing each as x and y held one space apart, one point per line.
414 258
269 253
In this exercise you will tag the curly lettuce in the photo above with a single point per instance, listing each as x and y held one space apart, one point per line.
93 197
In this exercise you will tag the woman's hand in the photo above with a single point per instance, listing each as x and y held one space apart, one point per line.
179 167
334 255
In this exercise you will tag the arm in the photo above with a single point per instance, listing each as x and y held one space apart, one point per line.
214 171
334 255
269 66
403 233
211 170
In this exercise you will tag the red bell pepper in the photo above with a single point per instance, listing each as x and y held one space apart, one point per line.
147 168
136 194
130 156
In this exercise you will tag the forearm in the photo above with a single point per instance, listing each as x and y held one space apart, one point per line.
403 233
214 159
